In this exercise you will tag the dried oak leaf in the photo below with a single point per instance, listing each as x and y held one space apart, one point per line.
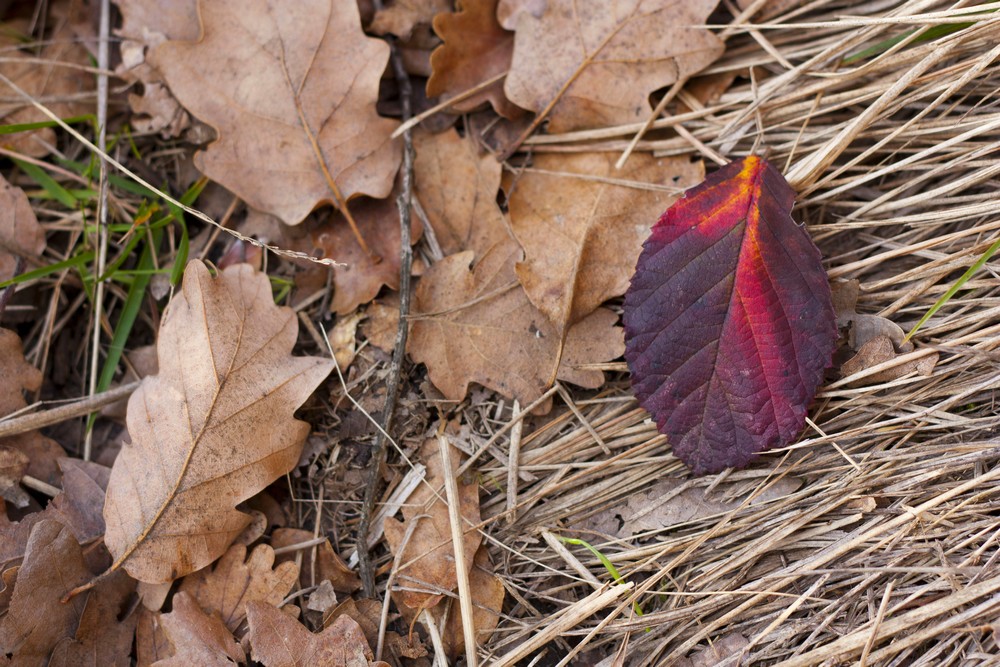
213 428
292 96
80 505
599 64
475 50
508 11
19 376
278 640
402 16
429 555
581 223
487 599
197 638
13 464
729 324
457 186
104 636
479 326
20 233
226 589
37 620
329 566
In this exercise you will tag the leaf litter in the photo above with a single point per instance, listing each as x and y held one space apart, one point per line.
890 154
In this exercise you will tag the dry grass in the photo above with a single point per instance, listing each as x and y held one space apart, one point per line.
878 543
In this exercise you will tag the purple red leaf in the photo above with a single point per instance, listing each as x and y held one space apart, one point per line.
729 323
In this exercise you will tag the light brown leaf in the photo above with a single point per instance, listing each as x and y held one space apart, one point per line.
101 639
280 641
329 566
457 186
213 428
429 555
37 620
487 599
151 644
508 10
402 16
608 58
880 349
197 638
19 376
361 276
13 463
226 589
292 95
476 49
20 233
478 326
80 505
582 234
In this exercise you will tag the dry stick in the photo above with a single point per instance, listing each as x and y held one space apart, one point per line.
399 350
102 210
438 108
879 617
514 457
84 406
458 543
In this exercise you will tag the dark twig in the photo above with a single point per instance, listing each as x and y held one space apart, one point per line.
399 351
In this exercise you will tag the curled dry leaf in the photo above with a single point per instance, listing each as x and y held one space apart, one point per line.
213 428
476 49
729 324
20 376
479 326
457 186
292 95
581 223
37 620
226 589
428 556
20 233
599 64
278 640
197 638
402 16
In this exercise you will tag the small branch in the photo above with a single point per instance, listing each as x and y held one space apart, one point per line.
458 544
399 351
84 406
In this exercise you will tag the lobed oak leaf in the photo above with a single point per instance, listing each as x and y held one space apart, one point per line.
476 49
292 96
227 588
599 64
213 428
729 323
278 640
20 233
581 223
197 638
457 186
479 326
37 620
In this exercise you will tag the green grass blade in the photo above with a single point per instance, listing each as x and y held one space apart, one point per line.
27 127
77 262
47 183
608 565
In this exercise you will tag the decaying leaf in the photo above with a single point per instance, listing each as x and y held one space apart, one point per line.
400 17
213 428
729 322
508 10
20 376
104 636
227 588
581 223
20 233
37 620
479 326
79 506
13 464
602 62
329 566
476 49
197 638
279 640
487 600
429 555
292 95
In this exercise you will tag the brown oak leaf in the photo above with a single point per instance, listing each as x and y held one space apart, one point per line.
292 96
104 636
37 620
80 506
508 10
226 588
479 326
402 16
599 64
197 638
329 566
429 555
457 186
487 603
582 223
13 463
475 50
213 428
20 233
278 640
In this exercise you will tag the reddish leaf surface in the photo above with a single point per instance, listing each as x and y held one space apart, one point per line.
728 321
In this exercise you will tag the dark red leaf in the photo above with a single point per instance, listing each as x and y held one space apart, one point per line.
728 321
